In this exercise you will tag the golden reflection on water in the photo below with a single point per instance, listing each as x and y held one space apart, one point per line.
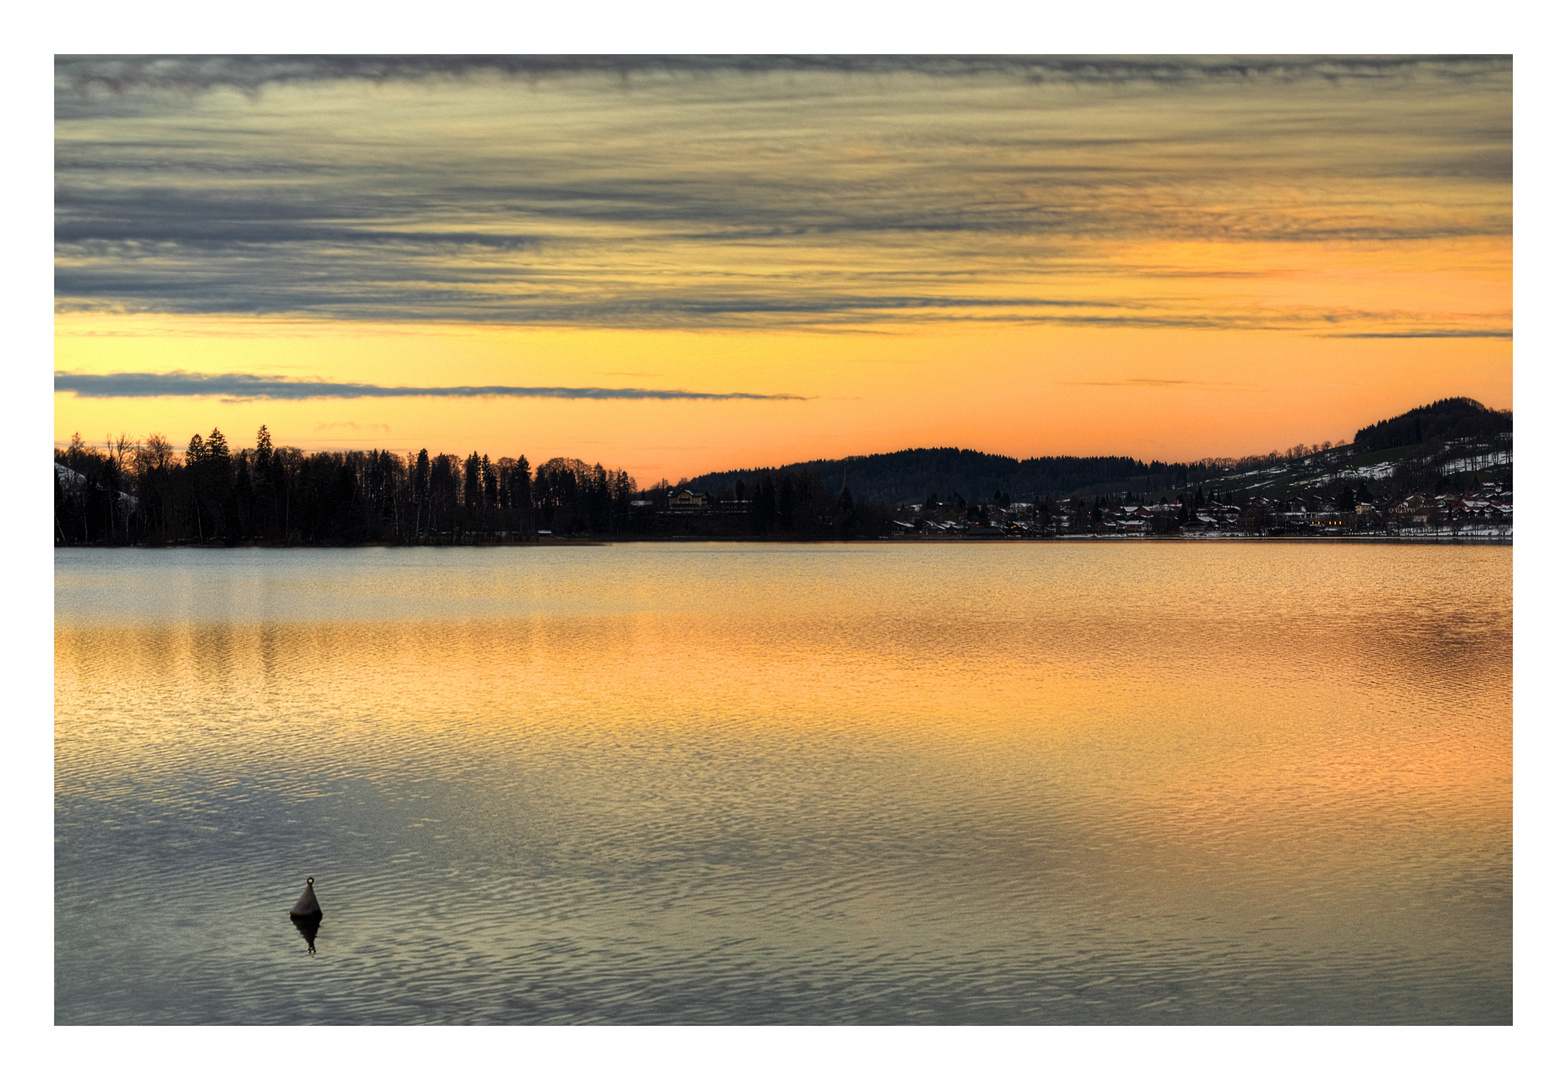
1179 682
1229 734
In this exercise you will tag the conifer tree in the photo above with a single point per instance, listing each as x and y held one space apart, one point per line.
470 486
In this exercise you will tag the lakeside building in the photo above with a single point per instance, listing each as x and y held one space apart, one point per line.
686 500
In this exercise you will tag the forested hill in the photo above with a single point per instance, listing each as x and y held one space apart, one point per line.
1450 419
910 475
916 474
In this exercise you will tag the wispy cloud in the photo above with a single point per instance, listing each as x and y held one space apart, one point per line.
241 386
1460 332
82 76
351 425
1144 382
1157 383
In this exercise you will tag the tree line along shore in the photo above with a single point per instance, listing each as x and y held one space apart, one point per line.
1441 470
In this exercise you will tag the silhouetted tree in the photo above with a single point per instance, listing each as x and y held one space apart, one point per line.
786 502
471 489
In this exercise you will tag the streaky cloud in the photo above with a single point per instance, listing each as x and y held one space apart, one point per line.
81 75
1456 333
638 192
238 385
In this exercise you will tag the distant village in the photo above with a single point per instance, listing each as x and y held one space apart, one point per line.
1484 512
1443 470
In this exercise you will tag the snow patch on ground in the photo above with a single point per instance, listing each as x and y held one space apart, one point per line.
72 480
1476 462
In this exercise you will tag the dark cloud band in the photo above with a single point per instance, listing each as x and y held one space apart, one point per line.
1457 333
80 75
143 384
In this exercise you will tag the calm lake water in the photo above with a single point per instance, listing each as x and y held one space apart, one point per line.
742 783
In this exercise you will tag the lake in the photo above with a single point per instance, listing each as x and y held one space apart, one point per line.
1006 783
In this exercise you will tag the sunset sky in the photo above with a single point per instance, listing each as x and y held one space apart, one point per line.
678 265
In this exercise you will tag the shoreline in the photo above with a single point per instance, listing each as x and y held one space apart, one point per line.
543 542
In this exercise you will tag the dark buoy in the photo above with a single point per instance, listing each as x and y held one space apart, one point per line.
307 928
307 908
